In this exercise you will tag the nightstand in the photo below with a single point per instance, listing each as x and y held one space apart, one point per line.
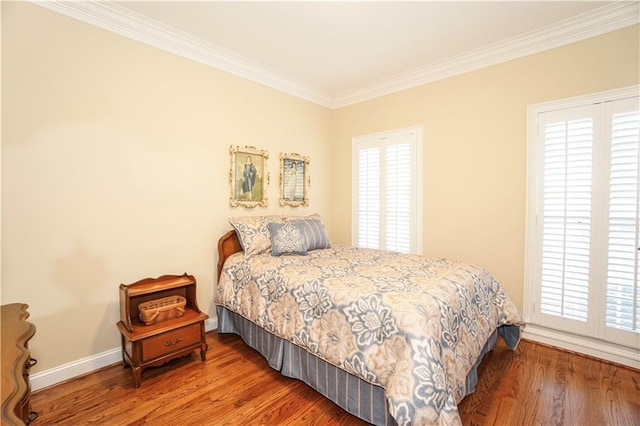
153 345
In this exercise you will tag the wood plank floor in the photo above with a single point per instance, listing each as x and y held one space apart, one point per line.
535 385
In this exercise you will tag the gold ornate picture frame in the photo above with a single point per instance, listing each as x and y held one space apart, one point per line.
248 177
294 180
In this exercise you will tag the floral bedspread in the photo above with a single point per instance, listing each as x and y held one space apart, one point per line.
411 325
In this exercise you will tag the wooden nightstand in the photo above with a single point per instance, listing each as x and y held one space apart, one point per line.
152 345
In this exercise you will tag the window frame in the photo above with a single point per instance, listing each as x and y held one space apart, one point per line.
375 139
589 340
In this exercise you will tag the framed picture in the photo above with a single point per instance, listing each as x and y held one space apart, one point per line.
248 176
294 180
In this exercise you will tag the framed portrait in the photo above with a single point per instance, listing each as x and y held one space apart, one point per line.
248 177
294 180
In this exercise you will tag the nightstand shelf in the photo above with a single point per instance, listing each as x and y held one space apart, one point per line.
155 344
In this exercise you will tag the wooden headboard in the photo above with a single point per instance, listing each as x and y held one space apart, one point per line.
228 244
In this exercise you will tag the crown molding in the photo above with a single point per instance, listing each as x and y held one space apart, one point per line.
597 22
122 21
119 20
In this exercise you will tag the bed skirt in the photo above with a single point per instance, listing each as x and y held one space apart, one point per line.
362 399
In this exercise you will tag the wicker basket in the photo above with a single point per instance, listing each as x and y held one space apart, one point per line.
163 309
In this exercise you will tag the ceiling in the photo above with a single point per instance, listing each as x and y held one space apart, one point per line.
338 53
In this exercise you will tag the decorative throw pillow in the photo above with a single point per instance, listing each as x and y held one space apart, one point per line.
287 238
253 233
314 216
315 233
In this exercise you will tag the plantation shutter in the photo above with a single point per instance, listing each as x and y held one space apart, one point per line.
369 197
566 219
623 301
398 196
587 221
387 189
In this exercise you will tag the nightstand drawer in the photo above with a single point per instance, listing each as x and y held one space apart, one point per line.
170 342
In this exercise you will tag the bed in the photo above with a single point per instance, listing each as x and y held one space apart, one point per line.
391 338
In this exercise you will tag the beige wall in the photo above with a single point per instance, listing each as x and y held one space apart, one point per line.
475 146
115 163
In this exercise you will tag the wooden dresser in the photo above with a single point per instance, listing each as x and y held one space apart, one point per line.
16 363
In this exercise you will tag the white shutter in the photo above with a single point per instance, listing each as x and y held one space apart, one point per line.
566 214
387 190
398 197
583 242
368 197
623 300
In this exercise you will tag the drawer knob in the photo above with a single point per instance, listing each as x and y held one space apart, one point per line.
27 366
32 417
175 342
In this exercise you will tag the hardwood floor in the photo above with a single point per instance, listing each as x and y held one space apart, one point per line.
235 386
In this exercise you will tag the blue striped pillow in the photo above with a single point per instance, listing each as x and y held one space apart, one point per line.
315 233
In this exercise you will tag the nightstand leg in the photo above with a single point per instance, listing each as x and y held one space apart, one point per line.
137 376
125 364
203 351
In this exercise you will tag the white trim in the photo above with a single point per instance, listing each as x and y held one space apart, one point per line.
597 22
122 21
417 133
112 17
533 111
576 101
89 364
584 345
628 354
211 324
74 369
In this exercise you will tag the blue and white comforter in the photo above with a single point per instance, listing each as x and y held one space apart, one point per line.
411 325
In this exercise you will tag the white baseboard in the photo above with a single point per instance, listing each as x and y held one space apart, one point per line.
579 344
584 345
211 324
86 365
74 369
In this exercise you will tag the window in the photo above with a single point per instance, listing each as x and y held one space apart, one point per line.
583 219
387 190
623 243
